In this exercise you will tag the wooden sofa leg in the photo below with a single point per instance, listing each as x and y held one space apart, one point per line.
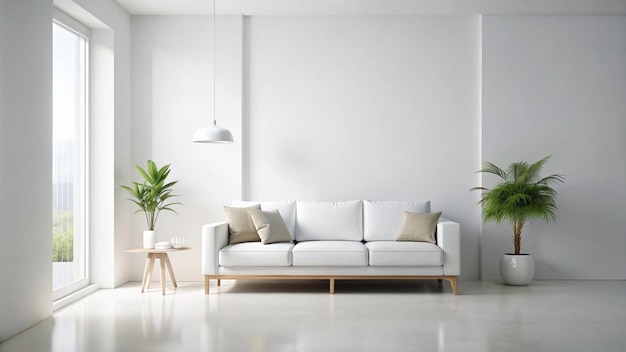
206 284
453 285
219 282
332 286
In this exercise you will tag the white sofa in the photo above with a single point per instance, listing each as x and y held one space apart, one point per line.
335 241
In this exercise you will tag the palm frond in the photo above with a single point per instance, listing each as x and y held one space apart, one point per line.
492 169
534 170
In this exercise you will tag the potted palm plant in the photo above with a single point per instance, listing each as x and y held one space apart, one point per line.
521 195
152 196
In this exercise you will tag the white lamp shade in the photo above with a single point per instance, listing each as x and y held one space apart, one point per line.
213 134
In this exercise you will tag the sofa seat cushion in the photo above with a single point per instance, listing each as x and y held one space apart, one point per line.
329 253
256 254
392 253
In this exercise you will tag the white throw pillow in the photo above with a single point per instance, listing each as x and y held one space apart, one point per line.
270 226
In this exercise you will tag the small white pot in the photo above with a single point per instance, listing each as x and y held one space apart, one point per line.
517 269
149 239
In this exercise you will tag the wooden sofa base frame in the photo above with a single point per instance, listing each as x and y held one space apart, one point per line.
451 279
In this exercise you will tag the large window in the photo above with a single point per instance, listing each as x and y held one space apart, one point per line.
69 156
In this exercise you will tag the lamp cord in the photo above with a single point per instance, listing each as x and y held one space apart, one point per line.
214 63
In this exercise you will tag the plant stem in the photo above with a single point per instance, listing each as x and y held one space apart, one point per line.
517 236
147 219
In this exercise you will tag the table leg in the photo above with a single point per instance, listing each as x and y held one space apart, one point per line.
146 270
169 268
151 267
162 262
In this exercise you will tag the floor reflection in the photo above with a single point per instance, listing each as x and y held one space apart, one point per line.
361 316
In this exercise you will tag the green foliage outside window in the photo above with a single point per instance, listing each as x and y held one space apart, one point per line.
63 237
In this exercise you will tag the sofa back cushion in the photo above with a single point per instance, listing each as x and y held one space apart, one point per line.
287 210
329 221
382 220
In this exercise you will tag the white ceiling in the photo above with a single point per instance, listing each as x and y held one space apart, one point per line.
373 7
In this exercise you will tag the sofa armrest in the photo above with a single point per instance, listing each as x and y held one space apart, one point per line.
449 239
214 238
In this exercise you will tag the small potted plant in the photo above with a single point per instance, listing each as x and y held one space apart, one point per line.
152 196
520 195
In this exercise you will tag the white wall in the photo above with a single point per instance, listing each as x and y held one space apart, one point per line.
381 108
172 89
25 164
557 85
404 107
303 76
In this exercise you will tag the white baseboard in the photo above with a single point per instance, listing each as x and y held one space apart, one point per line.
73 297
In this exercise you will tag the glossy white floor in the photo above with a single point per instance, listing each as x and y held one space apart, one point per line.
361 316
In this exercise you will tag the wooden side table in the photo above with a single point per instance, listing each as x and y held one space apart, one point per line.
164 260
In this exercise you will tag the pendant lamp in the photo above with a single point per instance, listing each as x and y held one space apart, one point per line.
213 133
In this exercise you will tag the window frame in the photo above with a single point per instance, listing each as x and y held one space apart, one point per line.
81 176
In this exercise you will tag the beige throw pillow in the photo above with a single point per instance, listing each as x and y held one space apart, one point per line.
419 227
270 226
240 224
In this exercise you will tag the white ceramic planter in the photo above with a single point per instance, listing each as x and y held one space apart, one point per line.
517 269
149 239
